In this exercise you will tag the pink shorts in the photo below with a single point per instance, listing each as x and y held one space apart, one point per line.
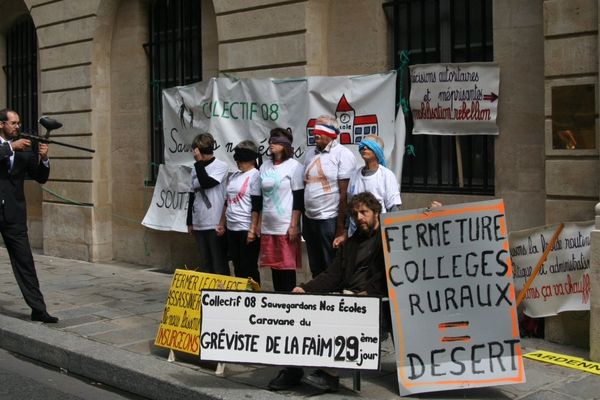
277 252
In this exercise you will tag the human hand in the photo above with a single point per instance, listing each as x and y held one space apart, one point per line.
293 234
339 240
220 229
197 155
298 289
435 204
251 237
43 151
190 229
21 144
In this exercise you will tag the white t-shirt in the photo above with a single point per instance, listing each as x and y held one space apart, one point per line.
239 202
321 174
208 203
277 183
382 184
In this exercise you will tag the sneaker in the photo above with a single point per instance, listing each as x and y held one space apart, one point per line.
322 380
286 379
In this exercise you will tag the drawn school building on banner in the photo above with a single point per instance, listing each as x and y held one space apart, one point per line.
352 127
98 67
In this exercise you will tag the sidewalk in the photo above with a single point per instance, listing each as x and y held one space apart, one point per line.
109 314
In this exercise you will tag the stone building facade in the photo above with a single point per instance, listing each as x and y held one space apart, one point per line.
93 75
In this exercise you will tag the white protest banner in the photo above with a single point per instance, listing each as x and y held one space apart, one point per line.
290 329
168 210
452 298
454 99
240 109
563 283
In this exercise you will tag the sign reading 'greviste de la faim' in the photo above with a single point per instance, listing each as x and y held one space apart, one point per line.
452 298
290 329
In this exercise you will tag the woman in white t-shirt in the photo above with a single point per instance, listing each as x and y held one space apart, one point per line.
237 214
280 201
206 204
373 177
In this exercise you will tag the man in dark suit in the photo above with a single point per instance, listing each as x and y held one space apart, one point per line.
17 159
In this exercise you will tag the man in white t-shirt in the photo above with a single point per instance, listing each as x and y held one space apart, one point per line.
327 170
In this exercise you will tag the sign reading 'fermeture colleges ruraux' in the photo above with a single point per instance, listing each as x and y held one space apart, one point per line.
452 298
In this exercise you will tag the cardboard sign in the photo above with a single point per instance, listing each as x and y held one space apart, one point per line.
291 329
563 283
454 99
180 323
452 298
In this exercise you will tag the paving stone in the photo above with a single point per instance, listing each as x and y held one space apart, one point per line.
587 388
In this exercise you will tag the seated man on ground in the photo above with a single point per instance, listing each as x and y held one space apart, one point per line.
359 268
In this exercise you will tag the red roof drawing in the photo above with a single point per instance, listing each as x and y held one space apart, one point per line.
343 105
365 119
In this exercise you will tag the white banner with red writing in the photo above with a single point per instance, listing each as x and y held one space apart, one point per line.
454 99
563 283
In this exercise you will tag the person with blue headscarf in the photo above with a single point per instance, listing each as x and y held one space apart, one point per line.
373 177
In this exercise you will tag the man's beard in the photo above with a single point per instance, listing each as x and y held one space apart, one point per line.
367 230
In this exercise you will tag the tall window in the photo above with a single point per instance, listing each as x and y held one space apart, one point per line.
175 52
21 72
435 31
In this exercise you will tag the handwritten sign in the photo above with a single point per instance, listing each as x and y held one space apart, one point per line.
563 283
291 329
454 99
180 324
452 298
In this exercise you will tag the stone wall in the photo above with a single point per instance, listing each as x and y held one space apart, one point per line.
571 58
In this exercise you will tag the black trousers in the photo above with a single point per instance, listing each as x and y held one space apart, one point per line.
283 280
16 241
243 255
213 252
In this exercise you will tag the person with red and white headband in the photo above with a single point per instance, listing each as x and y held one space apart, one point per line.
327 171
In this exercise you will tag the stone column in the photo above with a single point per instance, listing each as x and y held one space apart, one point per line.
595 266
595 290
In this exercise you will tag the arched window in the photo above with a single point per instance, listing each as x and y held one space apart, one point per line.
435 31
21 72
175 52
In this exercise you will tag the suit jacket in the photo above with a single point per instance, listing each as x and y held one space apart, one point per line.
12 195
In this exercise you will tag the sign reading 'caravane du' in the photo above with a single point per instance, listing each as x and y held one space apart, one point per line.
290 329
454 99
452 298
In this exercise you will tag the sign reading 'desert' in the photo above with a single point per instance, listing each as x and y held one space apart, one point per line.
290 329
452 297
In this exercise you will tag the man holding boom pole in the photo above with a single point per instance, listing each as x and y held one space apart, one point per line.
17 159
